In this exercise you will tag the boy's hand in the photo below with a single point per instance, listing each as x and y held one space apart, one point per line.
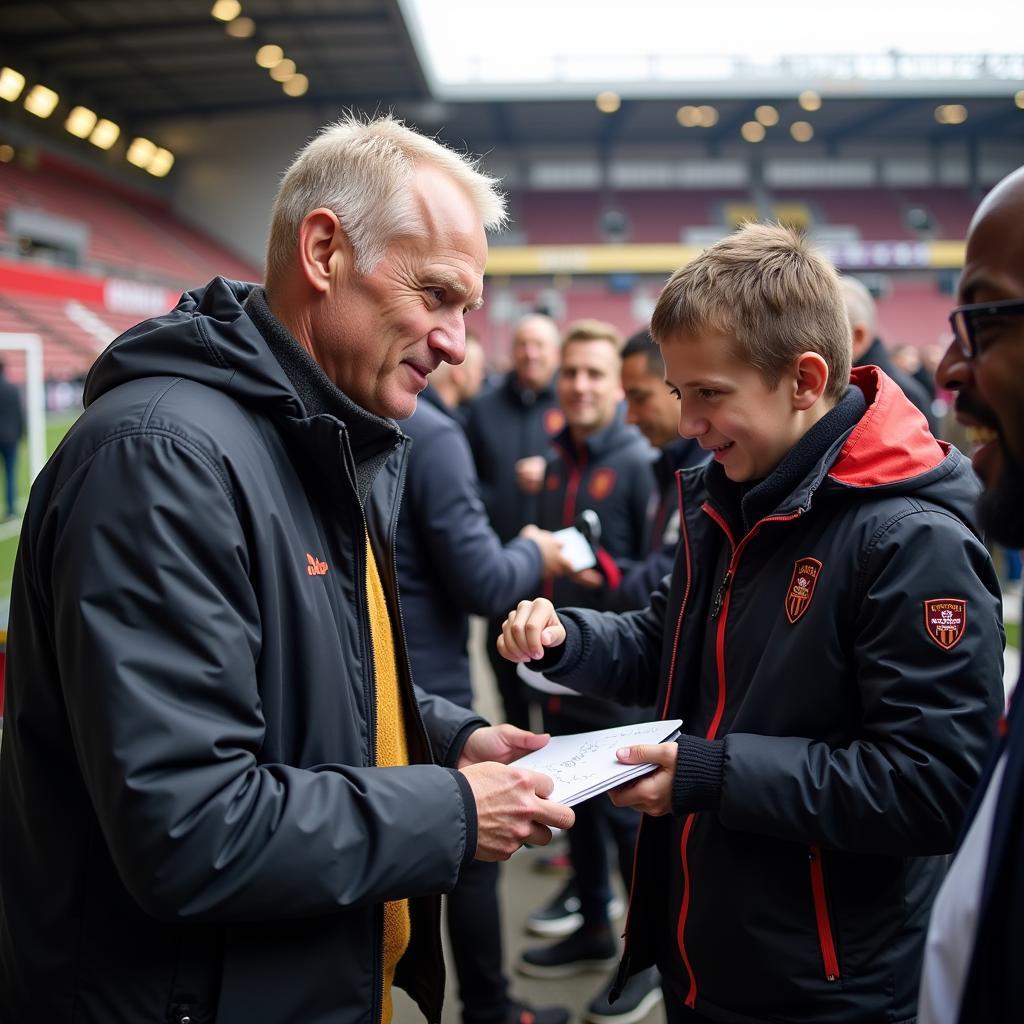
530 627
651 794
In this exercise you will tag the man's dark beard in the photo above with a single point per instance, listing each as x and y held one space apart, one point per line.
1001 508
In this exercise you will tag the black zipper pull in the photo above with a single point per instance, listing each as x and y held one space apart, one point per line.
720 594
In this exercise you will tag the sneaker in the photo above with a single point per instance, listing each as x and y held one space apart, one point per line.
524 1013
639 996
561 915
584 950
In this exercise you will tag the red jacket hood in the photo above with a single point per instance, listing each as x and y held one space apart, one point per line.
891 442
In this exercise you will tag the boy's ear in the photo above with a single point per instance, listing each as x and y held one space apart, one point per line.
809 380
323 248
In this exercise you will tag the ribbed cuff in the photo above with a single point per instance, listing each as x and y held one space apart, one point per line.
566 655
698 782
469 802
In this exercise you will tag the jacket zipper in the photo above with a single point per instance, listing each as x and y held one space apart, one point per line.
684 539
719 612
825 939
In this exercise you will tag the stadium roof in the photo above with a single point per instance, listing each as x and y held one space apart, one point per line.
141 63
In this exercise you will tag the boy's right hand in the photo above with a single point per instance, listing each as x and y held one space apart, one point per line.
530 627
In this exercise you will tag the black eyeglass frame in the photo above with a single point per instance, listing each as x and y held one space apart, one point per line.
964 321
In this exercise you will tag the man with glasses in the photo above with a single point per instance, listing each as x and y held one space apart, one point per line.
976 938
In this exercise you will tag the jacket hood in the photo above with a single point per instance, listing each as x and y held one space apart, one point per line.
209 338
892 447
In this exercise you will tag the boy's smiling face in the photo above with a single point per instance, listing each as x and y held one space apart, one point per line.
728 407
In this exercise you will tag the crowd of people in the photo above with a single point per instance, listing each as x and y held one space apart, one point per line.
241 760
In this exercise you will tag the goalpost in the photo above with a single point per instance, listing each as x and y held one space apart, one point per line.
35 398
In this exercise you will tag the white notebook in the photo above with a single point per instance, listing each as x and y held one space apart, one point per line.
584 764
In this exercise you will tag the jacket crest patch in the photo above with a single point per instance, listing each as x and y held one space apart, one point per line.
553 482
554 421
602 483
801 587
945 620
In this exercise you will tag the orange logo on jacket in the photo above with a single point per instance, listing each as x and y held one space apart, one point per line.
602 483
315 567
945 620
554 420
801 587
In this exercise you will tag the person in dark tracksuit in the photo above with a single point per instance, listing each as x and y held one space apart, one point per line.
600 464
451 564
510 430
831 638
651 407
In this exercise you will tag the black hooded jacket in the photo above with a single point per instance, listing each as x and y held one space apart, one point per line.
836 663
191 825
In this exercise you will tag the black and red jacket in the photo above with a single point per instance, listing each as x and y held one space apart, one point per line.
610 473
841 657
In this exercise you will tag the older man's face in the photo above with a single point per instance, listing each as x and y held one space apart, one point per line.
380 334
990 387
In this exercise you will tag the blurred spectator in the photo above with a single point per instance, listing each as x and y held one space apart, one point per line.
512 427
12 426
601 464
452 564
869 350
458 384
654 410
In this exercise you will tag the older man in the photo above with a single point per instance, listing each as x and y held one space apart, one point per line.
976 939
222 799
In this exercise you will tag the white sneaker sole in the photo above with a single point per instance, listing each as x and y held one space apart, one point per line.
555 927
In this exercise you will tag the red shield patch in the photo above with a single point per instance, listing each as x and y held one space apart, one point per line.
945 620
801 587
554 420
553 482
602 483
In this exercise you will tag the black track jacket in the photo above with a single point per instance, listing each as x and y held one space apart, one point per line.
189 823
855 714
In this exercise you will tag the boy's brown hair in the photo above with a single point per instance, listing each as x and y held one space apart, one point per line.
765 287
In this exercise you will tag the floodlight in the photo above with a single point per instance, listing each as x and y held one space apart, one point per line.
161 163
802 131
226 10
767 115
269 55
283 70
608 102
297 85
41 101
80 122
11 84
752 131
809 100
140 152
105 134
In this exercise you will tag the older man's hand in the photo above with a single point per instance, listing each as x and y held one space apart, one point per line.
502 743
511 809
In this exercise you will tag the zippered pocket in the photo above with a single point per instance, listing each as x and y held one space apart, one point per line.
826 942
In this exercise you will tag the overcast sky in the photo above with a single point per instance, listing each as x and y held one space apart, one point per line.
500 35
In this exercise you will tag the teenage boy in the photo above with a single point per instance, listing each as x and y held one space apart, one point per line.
830 637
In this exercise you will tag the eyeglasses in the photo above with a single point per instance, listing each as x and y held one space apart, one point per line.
966 321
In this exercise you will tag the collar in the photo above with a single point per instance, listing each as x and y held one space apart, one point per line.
371 438
745 503
527 396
